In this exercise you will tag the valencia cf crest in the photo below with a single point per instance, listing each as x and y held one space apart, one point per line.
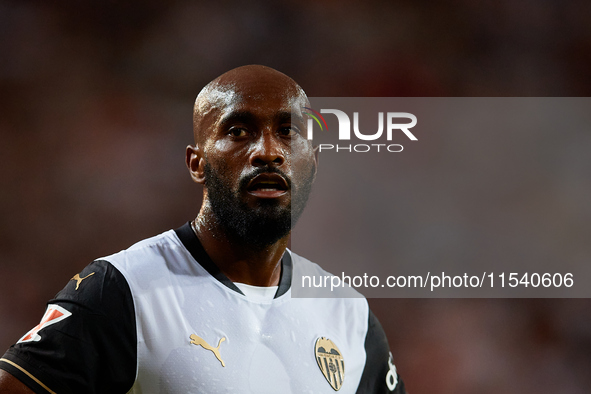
330 361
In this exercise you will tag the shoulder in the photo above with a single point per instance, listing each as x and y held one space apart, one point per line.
97 286
310 280
154 246
151 258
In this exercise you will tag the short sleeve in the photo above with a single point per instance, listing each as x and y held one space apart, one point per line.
86 340
379 374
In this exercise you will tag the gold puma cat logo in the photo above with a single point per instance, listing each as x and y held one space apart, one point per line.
78 279
196 340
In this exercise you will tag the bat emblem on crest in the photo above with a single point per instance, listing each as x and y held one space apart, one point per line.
330 361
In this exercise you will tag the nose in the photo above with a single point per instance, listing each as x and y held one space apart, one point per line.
267 151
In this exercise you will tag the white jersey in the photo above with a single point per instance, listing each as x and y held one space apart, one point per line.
183 327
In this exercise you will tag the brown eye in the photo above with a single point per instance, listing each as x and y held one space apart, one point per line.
237 132
288 131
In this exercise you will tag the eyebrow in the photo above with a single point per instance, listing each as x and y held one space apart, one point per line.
237 116
285 116
249 117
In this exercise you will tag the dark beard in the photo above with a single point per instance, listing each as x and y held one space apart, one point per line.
255 228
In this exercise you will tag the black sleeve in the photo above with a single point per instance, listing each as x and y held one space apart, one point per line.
379 374
86 341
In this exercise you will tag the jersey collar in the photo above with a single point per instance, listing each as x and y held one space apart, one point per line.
193 245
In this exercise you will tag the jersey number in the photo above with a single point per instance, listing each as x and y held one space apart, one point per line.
391 376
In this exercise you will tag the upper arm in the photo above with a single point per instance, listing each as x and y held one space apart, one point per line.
11 385
86 340
379 373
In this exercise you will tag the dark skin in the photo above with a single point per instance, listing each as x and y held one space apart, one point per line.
242 121
10 384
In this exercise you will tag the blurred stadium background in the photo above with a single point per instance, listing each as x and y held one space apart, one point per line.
95 113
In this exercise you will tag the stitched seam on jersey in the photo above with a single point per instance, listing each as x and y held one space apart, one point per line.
28 374
127 278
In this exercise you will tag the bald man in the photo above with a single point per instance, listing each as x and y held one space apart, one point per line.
207 308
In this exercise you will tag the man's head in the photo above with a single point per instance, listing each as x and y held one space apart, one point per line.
250 154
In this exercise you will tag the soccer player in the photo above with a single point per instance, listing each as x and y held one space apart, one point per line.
207 308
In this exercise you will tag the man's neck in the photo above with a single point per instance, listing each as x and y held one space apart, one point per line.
239 262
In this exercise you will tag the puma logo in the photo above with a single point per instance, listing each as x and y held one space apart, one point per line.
79 280
196 340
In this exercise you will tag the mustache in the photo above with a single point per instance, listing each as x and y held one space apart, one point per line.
264 170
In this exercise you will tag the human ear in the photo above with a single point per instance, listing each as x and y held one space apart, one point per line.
195 163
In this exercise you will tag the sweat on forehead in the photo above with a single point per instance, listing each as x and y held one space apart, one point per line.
253 83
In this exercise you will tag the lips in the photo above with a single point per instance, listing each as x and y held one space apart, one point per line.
267 185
